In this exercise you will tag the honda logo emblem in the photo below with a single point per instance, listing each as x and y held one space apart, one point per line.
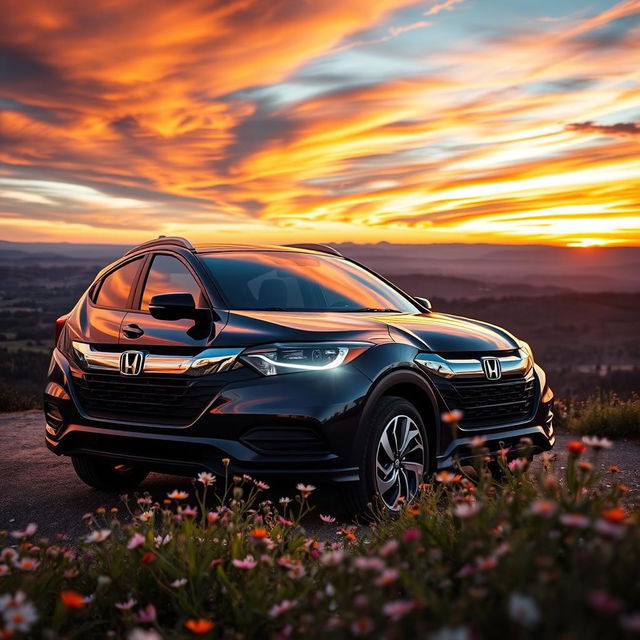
492 368
131 363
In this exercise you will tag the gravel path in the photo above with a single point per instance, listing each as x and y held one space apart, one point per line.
38 486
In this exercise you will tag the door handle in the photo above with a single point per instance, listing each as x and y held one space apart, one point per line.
132 331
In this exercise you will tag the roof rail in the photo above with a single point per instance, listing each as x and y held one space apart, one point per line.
161 241
311 246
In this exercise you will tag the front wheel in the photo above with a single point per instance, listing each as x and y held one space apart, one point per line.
395 458
107 475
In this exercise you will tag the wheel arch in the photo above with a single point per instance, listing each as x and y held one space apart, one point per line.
413 387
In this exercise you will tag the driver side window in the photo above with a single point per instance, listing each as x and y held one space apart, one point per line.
168 275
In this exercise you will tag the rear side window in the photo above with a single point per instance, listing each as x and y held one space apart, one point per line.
116 287
169 275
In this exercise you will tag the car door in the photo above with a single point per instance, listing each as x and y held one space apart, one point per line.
108 303
165 273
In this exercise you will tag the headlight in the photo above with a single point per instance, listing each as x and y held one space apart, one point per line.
289 358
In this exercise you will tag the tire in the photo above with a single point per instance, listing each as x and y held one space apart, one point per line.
107 475
397 476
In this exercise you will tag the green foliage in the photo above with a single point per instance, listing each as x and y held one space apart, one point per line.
536 556
607 415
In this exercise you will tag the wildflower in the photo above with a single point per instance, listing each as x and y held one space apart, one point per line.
128 604
615 515
387 577
503 452
178 495
466 510
327 519
523 610
446 477
212 517
72 599
27 532
200 626
98 536
451 417
576 447
26 564
4 570
305 489
19 614
249 562
451 633
389 548
518 464
486 564
143 634
372 563
477 442
145 516
574 520
362 626
147 614
332 558
285 522
543 508
597 443
189 512
159 541
8 554
296 572
398 609
411 535
206 478
263 486
259 533
614 468
180 582
585 466
226 461
604 602
148 557
283 607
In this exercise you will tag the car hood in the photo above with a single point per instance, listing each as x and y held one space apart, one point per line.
433 331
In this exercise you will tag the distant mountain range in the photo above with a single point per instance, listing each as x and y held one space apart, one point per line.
436 270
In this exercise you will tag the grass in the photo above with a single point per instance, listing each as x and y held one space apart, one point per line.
605 415
540 555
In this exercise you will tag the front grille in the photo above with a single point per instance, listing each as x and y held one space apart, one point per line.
489 403
285 440
158 399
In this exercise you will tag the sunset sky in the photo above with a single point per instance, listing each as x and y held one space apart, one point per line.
511 121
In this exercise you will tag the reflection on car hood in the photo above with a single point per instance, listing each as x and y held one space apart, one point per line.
434 331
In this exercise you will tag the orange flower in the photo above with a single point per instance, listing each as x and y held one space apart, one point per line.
576 447
623 488
259 533
72 599
200 626
585 466
414 509
617 514
614 468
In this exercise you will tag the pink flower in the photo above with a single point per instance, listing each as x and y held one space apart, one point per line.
27 532
206 478
604 602
125 606
178 495
212 517
411 535
398 609
147 614
332 558
283 607
466 510
597 443
518 464
389 548
296 572
180 582
136 540
574 520
190 512
451 417
477 442
387 577
504 452
285 522
486 564
248 563
4 570
372 563
26 564
305 489
263 486
543 508
327 519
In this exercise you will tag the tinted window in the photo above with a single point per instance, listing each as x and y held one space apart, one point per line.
299 282
115 288
169 275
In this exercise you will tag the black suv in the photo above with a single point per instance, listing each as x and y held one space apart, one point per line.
279 361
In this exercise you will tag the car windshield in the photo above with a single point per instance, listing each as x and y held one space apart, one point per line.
291 281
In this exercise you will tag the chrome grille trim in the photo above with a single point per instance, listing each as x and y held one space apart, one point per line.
218 359
472 367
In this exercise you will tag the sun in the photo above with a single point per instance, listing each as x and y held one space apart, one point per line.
585 243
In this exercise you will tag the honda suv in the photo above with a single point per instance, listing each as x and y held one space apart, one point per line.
280 362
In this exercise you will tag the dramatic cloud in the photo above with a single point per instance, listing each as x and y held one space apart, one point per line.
286 120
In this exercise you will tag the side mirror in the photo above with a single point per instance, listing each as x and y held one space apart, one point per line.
172 306
423 302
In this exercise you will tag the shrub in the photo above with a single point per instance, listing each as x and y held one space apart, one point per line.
536 556
607 415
